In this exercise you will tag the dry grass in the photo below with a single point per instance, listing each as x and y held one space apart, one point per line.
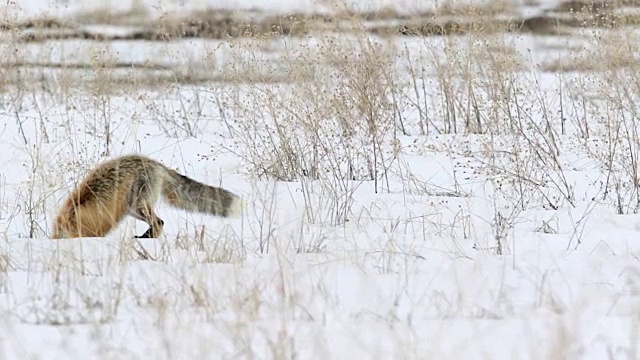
597 6
123 80
447 19
585 63
492 8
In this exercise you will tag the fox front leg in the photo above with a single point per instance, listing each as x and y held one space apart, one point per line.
152 231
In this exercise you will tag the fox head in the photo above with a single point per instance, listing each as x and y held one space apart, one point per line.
63 228
66 224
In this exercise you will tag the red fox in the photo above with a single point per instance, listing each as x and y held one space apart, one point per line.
131 185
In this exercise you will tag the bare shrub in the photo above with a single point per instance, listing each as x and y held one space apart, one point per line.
475 84
332 130
610 120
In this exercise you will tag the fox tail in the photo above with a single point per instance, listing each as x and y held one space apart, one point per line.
185 193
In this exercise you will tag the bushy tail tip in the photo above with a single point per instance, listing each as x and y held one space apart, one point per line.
237 207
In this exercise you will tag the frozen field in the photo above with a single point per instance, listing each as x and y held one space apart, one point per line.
473 194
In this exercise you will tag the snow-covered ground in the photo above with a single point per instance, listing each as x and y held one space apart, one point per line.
502 222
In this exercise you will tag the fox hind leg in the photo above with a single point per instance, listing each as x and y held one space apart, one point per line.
140 199
145 213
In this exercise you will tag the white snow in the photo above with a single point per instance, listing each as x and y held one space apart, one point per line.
414 272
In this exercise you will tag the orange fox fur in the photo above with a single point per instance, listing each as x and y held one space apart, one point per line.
131 185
